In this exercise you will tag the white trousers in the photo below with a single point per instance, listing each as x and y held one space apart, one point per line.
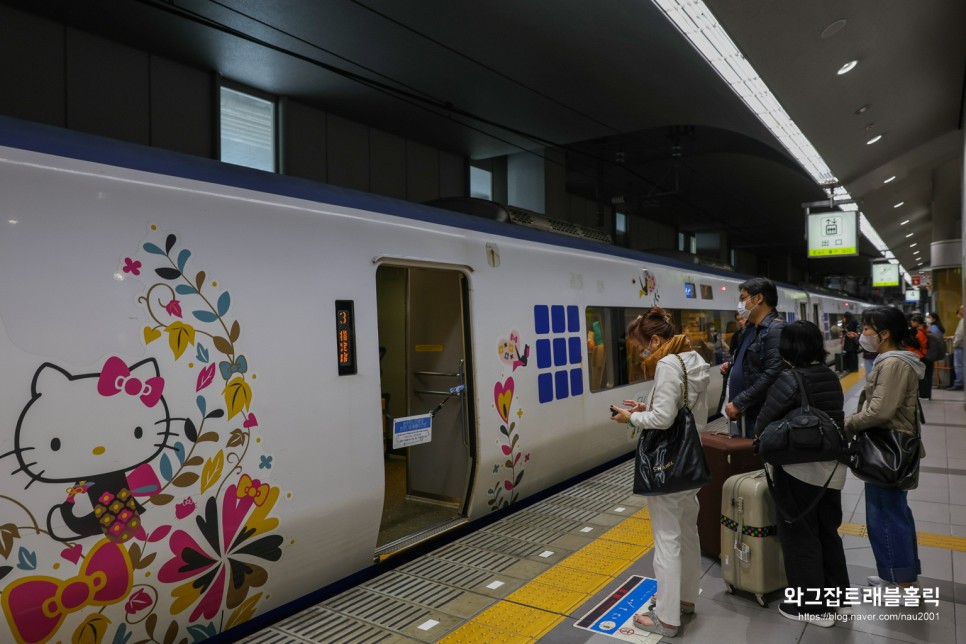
677 554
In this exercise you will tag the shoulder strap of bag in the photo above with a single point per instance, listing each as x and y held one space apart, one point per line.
801 388
685 370
818 497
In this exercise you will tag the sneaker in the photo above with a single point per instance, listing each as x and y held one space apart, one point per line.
845 610
791 612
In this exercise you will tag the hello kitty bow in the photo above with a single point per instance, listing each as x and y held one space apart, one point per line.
35 607
116 377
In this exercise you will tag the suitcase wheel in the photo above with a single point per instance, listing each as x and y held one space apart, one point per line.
729 588
761 601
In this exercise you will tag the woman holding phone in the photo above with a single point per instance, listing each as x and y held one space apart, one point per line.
674 516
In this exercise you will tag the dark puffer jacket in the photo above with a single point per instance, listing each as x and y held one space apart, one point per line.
762 363
822 386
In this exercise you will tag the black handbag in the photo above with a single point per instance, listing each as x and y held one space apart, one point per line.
671 460
886 458
805 435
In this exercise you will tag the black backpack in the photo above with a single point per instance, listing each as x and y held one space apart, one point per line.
805 435
935 347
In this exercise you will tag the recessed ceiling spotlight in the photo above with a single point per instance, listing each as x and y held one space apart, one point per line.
873 139
863 109
903 223
899 204
833 28
847 67
12 221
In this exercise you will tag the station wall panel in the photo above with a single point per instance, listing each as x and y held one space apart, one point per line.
32 73
303 141
348 153
388 159
182 111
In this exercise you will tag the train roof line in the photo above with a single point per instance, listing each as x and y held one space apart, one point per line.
48 139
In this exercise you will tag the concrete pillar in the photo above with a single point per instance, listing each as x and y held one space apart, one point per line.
946 250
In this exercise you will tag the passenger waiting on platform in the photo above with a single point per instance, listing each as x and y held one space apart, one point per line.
850 342
812 549
919 329
935 324
889 399
758 362
958 353
674 517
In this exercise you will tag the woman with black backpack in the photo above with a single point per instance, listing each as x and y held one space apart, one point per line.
809 492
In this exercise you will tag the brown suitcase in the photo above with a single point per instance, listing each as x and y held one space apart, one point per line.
726 456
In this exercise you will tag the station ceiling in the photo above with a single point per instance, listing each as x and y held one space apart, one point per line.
634 112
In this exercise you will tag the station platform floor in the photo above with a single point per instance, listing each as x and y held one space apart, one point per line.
538 575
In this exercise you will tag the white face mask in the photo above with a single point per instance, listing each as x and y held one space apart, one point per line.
870 342
743 312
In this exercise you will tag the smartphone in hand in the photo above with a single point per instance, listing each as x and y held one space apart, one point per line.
613 411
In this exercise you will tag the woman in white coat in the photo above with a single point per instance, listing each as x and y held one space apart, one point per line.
674 517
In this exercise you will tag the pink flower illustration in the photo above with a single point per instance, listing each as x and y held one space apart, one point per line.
132 266
138 602
219 570
173 308
185 508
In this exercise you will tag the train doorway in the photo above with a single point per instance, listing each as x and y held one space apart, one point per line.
425 375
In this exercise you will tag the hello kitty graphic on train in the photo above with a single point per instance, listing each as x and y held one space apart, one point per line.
133 423
140 525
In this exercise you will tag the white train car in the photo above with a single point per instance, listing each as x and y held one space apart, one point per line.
224 389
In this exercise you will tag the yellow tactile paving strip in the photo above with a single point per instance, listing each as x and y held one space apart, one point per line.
932 540
535 609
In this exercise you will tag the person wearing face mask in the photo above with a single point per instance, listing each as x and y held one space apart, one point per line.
889 399
674 516
758 361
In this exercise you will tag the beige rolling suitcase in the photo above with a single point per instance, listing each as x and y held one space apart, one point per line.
751 556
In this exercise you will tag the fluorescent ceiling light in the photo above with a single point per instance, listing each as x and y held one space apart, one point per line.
910 235
696 23
903 223
913 245
873 139
847 67
915 252
890 179
901 203
848 206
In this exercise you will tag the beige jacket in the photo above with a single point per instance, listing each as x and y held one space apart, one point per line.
891 394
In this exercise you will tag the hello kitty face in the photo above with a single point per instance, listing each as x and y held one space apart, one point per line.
81 427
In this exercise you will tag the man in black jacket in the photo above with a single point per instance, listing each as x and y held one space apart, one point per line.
758 362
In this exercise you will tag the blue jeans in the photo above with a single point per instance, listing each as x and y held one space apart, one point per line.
958 366
892 533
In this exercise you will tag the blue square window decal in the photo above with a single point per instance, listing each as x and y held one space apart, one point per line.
576 382
561 381
575 344
573 319
541 318
543 354
557 319
545 387
559 352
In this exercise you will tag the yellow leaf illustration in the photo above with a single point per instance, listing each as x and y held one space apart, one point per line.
244 612
238 395
211 472
92 630
180 337
150 335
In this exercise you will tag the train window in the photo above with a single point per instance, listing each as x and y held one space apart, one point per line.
835 322
615 360
247 129
706 293
689 290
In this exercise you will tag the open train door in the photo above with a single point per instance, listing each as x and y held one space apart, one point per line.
424 343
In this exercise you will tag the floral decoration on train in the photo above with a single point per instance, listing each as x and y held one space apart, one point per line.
647 284
509 473
164 532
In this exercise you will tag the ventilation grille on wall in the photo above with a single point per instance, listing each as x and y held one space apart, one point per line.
531 219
